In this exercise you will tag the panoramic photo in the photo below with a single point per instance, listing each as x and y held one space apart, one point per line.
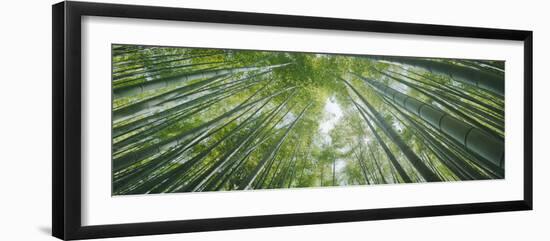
204 119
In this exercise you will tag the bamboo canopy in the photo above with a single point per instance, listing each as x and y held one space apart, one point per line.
199 119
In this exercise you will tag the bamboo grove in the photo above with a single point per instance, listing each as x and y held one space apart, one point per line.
192 120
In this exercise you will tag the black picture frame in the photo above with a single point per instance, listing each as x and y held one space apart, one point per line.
66 58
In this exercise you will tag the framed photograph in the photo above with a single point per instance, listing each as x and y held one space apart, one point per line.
169 120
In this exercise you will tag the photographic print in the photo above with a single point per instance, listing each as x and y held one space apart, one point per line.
205 119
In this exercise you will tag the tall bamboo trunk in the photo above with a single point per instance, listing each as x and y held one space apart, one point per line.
381 142
485 80
470 137
128 159
426 173
442 102
251 178
161 83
